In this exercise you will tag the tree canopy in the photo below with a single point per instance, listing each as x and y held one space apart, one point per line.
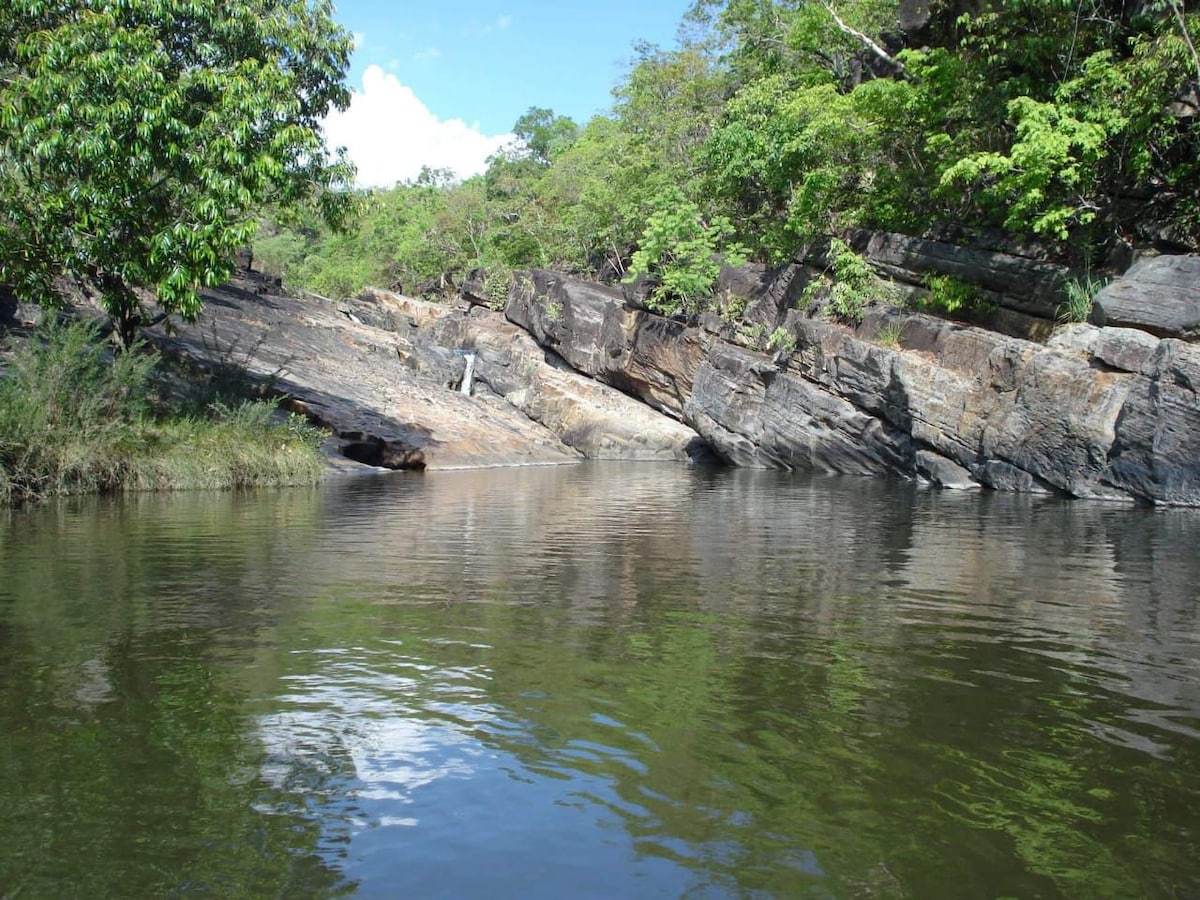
139 139
779 121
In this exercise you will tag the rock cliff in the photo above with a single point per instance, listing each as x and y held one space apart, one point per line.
384 373
575 370
1094 412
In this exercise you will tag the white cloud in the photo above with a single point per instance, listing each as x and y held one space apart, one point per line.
390 134
499 25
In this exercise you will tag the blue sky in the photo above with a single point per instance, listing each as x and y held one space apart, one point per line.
441 84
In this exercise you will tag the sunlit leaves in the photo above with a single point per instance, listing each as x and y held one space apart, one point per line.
679 248
139 137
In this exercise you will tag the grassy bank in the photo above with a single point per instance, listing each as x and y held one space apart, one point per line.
74 420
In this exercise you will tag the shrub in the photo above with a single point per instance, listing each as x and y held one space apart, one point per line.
682 250
67 413
781 341
73 419
496 283
849 281
952 296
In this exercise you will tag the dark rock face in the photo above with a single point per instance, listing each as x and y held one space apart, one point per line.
8 306
1097 412
592 329
352 378
1023 288
593 418
572 370
768 292
1160 295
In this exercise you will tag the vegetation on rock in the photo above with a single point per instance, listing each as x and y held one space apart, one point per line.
776 123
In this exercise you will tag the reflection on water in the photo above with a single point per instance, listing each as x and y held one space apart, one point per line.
599 681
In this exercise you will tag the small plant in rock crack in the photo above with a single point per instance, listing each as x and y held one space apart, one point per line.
781 341
1079 298
848 281
890 334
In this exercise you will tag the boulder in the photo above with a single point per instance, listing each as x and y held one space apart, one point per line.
938 470
1159 295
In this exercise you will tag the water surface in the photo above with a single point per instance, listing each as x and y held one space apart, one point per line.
599 681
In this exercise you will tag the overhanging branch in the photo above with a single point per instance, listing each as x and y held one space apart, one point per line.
894 64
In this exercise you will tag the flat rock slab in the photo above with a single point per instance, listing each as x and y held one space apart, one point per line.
350 377
1160 295
594 418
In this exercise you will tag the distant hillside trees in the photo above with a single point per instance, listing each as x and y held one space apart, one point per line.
1077 121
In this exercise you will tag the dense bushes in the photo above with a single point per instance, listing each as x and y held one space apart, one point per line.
74 420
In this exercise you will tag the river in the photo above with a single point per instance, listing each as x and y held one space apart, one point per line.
606 680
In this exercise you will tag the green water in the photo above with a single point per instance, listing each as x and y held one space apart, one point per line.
599 681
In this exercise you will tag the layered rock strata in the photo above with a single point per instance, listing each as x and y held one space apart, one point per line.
1095 412
384 373
575 369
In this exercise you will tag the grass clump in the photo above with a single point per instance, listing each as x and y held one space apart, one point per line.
890 334
1079 297
74 419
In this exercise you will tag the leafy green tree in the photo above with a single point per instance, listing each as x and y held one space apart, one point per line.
543 135
1091 109
681 249
138 138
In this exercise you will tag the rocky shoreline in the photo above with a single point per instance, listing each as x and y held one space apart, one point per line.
573 370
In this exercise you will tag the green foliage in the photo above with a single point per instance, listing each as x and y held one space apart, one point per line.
890 334
543 135
136 139
1079 297
496 283
66 413
74 420
952 296
1049 178
732 306
1086 105
777 126
681 250
848 282
782 341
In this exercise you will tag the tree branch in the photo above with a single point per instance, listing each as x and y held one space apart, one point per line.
887 58
1181 21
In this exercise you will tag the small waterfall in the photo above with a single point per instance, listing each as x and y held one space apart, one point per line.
468 375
